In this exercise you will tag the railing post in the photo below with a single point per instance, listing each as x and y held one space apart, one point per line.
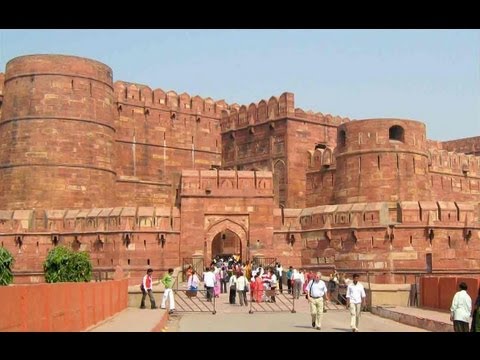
214 308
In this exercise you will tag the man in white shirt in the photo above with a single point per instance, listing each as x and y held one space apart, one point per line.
316 294
209 280
461 309
355 300
297 283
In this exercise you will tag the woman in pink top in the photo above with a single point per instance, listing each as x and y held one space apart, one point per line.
217 287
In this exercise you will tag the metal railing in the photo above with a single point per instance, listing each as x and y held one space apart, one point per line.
271 301
198 264
193 301
264 262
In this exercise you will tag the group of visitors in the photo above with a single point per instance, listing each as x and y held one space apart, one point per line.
147 289
317 294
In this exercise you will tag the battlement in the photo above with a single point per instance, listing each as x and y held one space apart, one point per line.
321 159
423 213
89 220
327 119
469 145
225 183
2 81
142 95
453 163
381 133
281 107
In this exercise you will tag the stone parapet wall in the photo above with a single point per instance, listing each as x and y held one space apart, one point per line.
61 307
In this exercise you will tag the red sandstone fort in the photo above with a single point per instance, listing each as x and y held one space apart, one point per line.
146 178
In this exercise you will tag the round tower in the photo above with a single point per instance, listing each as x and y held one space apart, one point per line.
57 133
381 160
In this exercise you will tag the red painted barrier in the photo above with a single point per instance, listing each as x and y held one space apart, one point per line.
60 306
436 292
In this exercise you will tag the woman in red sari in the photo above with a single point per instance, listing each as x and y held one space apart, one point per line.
253 287
258 288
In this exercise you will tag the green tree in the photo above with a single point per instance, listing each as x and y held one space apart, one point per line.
65 265
6 263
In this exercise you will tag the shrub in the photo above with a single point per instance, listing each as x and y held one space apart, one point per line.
65 265
6 263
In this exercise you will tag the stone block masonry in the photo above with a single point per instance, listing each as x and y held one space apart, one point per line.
143 177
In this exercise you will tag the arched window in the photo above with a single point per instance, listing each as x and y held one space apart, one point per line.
342 138
396 133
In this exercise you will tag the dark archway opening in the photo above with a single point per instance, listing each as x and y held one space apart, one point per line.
226 243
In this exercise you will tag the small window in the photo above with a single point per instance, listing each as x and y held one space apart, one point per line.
342 138
396 133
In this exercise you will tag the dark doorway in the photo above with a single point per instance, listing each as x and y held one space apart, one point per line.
428 258
225 244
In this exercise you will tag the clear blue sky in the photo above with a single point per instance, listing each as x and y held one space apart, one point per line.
427 75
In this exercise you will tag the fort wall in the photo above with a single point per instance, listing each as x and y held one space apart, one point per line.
158 134
57 133
393 241
135 238
469 145
221 202
381 160
273 135
147 178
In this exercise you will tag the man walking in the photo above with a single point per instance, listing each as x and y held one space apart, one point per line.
461 309
355 301
146 288
316 296
168 282
209 280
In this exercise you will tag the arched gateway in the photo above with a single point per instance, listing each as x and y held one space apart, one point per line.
226 237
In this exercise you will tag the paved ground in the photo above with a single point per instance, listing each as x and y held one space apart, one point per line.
439 316
236 318
131 320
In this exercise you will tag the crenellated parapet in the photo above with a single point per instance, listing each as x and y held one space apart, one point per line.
273 109
87 221
328 217
455 163
469 145
454 176
318 117
427 214
143 96
2 80
393 239
225 183
321 158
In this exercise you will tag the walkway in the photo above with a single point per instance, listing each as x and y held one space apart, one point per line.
426 319
233 318
134 320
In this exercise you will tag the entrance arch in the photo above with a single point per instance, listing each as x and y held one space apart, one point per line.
233 235
226 243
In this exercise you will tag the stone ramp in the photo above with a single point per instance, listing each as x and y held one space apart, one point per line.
134 320
426 319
